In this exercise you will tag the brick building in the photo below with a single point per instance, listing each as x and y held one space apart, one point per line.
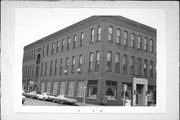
108 57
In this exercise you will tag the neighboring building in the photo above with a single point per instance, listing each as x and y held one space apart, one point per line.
103 55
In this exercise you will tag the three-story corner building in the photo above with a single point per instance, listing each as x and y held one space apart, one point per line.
110 58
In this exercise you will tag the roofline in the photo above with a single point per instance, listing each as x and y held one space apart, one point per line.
90 19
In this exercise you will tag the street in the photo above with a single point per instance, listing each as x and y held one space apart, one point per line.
35 102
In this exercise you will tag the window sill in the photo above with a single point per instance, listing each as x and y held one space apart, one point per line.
112 99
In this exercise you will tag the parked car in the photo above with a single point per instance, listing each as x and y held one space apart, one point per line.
31 94
23 99
45 96
63 99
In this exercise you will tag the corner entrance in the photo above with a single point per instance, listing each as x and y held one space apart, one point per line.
140 87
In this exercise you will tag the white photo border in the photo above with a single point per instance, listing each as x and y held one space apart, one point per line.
15 82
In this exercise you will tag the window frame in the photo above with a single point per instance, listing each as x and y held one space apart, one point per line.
109 61
99 32
118 36
68 43
74 41
81 39
97 61
117 63
125 59
90 61
125 38
110 34
92 36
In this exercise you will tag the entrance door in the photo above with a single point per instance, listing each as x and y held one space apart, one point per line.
139 92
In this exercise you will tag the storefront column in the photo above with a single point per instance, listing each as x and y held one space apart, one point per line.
101 90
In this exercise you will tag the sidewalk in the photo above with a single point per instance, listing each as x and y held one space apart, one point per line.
86 104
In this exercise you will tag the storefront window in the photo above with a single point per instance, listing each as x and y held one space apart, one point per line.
48 87
42 87
55 88
92 88
62 88
111 90
71 88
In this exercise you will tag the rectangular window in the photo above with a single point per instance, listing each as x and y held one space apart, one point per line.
60 66
145 44
145 67
51 68
139 66
132 40
62 45
117 62
68 43
139 42
99 34
74 42
151 46
45 68
55 68
67 65
53 46
109 61
80 88
47 49
97 61
81 39
132 65
92 89
57 47
92 35
118 36
42 69
73 64
33 70
125 64
110 34
125 38
111 90
42 87
55 88
151 68
62 88
49 85
71 88
90 62
43 52
80 64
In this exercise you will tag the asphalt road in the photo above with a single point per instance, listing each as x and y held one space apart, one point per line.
35 102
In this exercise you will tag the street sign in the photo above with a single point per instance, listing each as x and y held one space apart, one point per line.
124 87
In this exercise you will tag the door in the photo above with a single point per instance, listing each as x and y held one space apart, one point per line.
139 92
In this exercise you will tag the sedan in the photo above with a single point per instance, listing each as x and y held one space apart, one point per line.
23 99
31 94
45 96
62 99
